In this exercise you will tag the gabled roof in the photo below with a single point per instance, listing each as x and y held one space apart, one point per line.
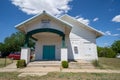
37 16
97 32
22 24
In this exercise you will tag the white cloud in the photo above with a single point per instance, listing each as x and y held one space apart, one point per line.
108 33
95 19
83 20
55 7
116 18
116 35
105 44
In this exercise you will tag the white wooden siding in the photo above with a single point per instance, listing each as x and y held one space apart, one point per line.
80 36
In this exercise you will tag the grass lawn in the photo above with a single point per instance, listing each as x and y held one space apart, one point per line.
110 63
62 76
2 62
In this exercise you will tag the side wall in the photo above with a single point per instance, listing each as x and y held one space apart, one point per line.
83 39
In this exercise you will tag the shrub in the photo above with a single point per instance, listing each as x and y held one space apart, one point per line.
21 63
65 64
105 52
96 63
116 46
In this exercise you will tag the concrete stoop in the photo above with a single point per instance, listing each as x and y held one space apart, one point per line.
44 64
81 64
39 69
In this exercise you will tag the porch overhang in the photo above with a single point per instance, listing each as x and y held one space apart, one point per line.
30 33
21 26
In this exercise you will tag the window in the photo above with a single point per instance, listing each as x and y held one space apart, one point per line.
76 49
45 21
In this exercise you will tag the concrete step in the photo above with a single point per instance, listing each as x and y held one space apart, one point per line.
57 64
44 64
87 67
40 69
81 65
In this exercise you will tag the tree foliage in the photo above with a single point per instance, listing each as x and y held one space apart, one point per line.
106 52
111 51
13 43
116 46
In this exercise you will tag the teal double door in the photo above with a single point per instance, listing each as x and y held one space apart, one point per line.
49 52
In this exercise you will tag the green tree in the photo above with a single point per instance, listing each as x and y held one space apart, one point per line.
116 46
14 43
100 51
2 47
105 52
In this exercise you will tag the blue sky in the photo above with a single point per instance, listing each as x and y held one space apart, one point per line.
103 15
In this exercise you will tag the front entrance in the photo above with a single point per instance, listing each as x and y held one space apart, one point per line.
49 52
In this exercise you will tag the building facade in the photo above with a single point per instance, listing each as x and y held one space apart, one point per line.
62 38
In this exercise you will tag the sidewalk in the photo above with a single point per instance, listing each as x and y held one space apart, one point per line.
9 68
51 69
40 71
12 68
91 70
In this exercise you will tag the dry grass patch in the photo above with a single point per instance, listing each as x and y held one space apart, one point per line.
2 62
62 76
110 63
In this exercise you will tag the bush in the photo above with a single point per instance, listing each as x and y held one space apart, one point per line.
21 64
65 64
106 52
96 63
116 46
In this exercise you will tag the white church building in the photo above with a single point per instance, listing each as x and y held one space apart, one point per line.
63 38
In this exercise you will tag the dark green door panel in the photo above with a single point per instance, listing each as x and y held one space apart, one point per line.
49 52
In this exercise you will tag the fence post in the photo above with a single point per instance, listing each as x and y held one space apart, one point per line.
5 61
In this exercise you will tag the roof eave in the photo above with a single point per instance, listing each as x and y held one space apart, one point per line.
28 20
98 33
